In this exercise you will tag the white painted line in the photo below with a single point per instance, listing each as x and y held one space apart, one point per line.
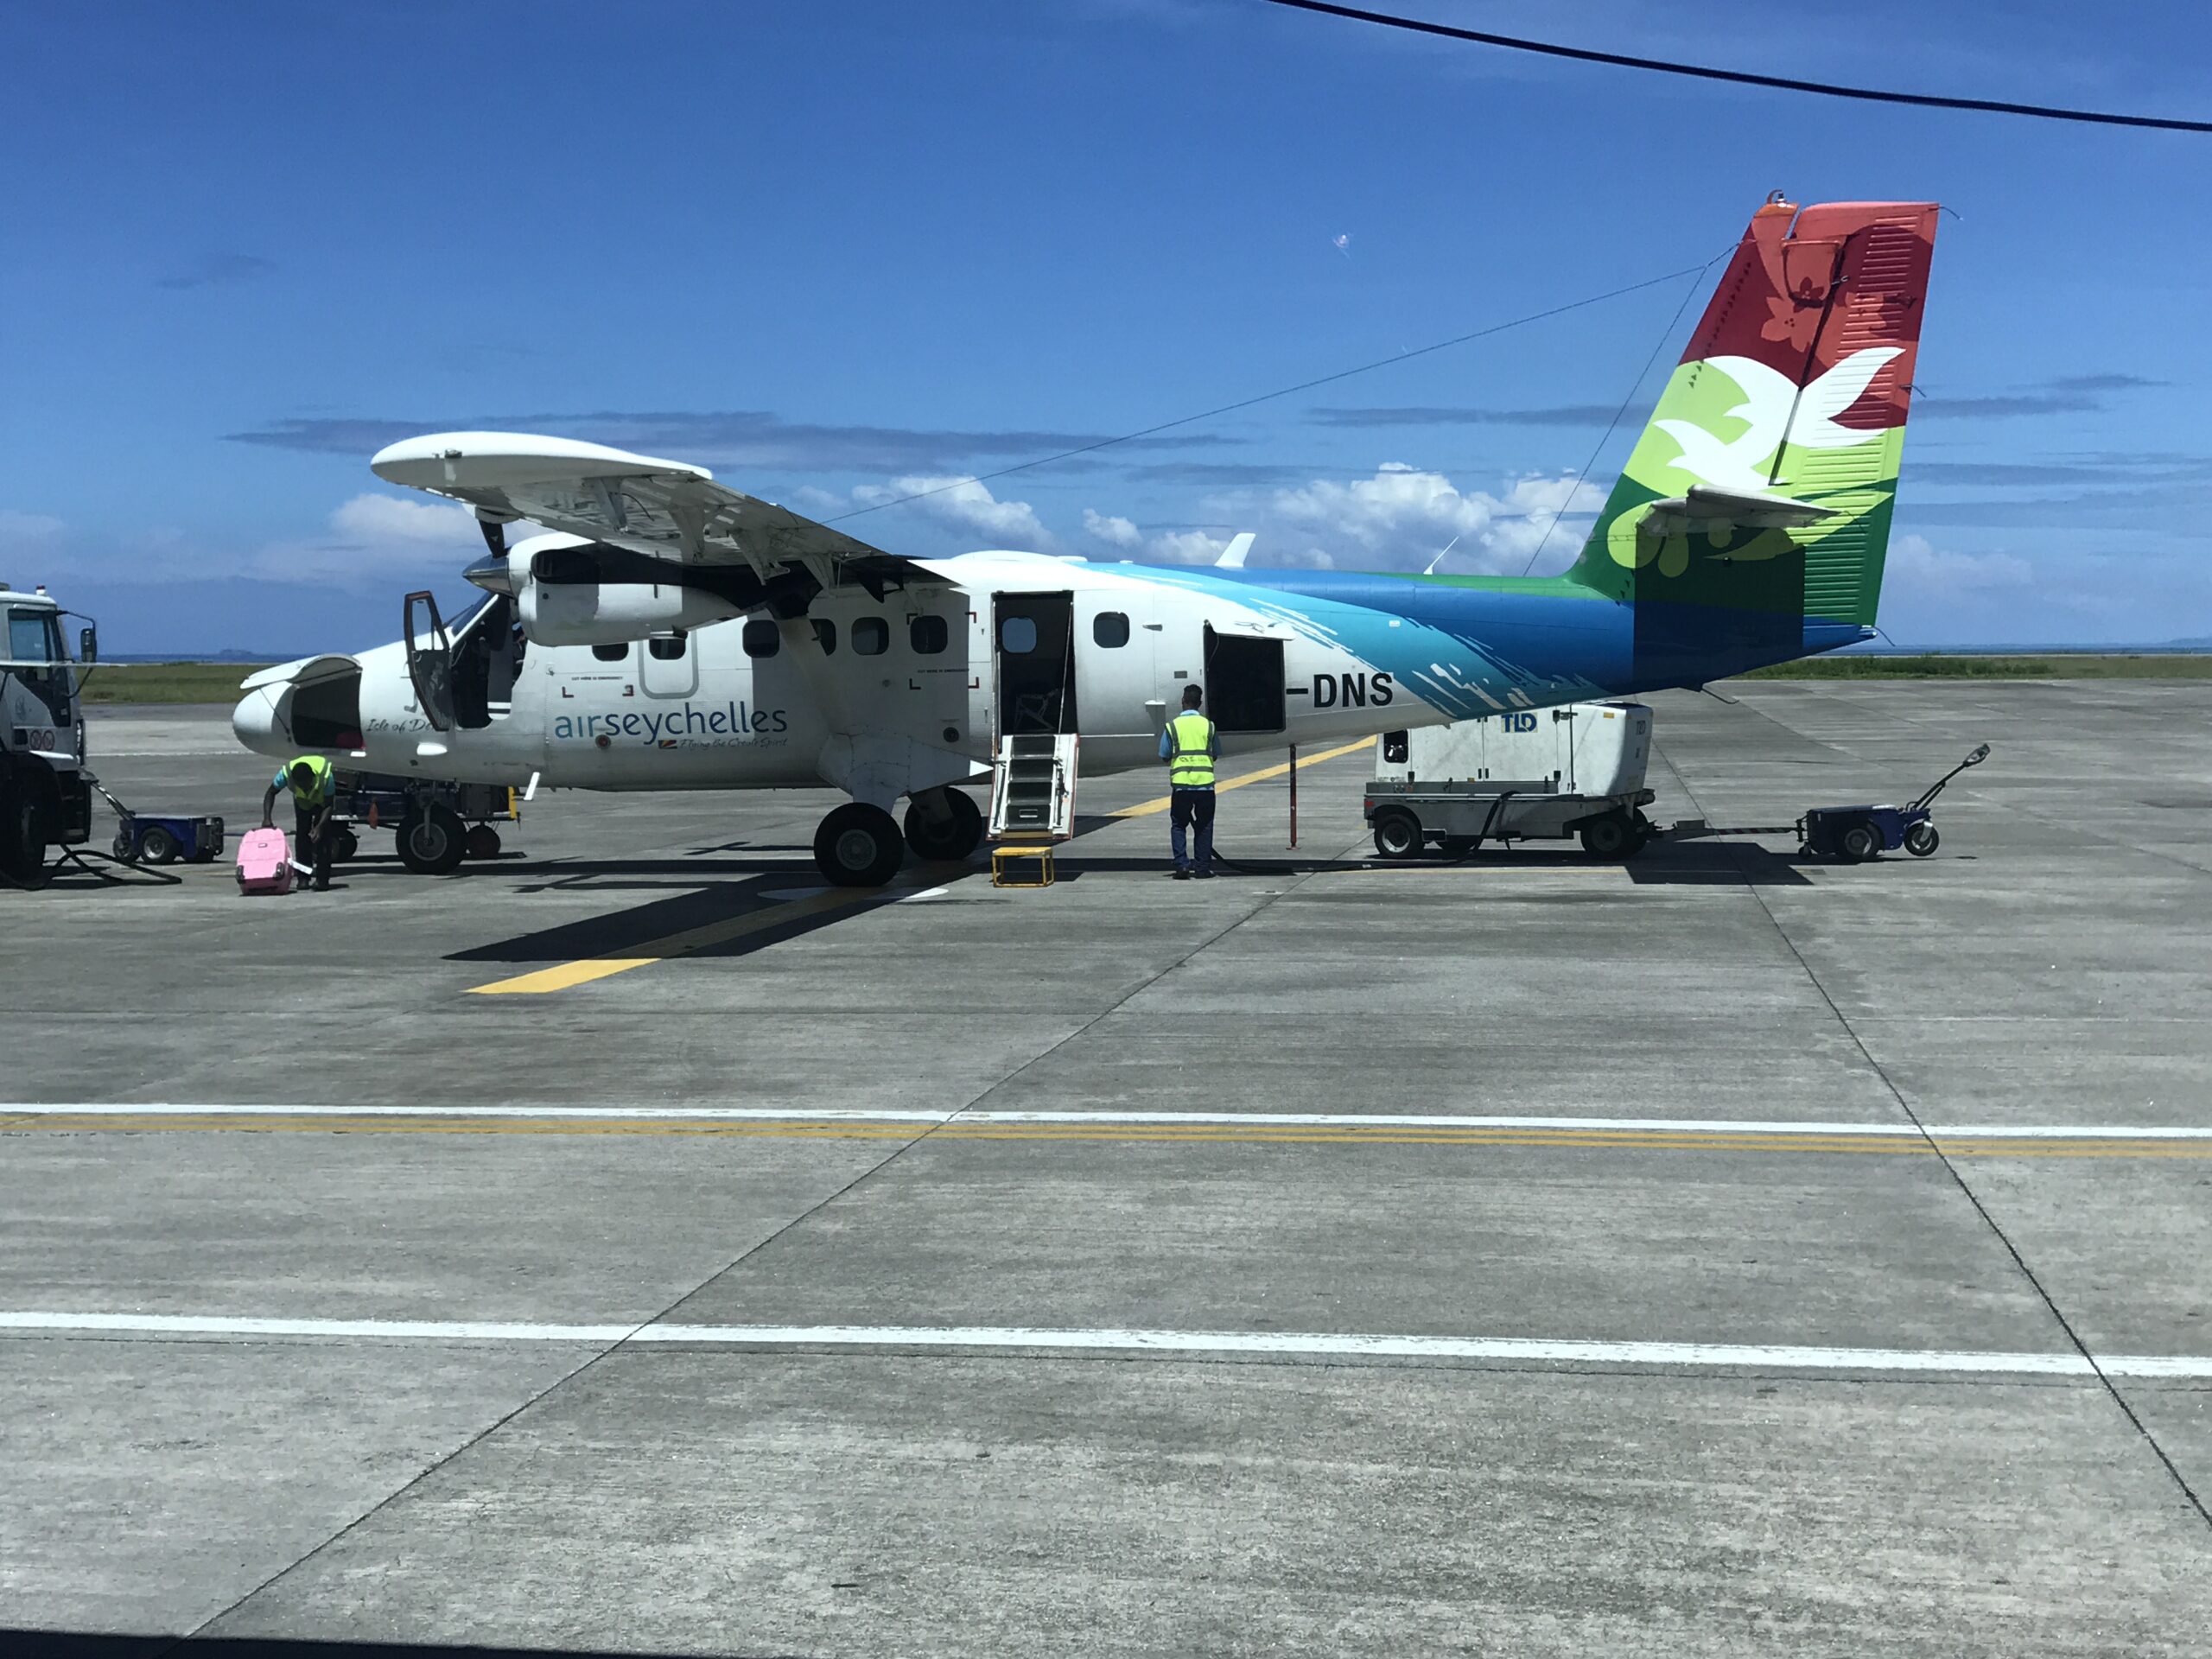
1110 1340
1281 1120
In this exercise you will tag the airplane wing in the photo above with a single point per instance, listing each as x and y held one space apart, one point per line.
662 509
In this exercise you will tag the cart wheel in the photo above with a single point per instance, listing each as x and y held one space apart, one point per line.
1397 832
157 845
1609 837
125 849
483 840
344 845
1859 841
1921 839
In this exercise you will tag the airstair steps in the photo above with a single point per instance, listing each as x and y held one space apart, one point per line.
1035 796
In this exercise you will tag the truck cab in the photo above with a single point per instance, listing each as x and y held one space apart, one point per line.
46 799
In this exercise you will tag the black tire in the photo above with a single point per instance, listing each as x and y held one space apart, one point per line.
946 840
481 841
344 845
23 818
859 846
122 848
1921 839
1612 838
157 846
1859 841
1398 833
433 841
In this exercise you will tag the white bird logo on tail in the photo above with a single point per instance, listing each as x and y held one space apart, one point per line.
1740 463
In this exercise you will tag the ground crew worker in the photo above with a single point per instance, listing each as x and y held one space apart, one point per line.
1190 746
315 803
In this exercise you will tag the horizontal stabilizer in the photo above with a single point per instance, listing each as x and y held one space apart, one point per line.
1703 504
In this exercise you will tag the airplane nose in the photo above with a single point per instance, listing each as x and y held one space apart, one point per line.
492 574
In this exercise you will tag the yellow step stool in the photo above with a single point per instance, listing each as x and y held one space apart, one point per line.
1010 867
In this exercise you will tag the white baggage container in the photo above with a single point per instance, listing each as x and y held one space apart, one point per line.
1521 775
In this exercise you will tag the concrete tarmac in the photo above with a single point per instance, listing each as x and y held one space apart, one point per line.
1722 1253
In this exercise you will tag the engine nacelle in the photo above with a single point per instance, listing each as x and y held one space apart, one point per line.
570 591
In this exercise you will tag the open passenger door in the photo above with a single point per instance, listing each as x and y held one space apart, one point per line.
430 660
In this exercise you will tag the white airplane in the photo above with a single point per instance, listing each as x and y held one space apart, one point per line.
671 632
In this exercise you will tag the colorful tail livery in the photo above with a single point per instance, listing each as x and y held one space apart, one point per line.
1760 493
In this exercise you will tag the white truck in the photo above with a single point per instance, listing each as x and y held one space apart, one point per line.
1519 775
46 797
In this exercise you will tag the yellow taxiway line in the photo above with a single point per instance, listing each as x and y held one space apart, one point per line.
803 1128
1144 809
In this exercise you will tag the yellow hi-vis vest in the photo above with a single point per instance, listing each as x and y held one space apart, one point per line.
1191 765
320 791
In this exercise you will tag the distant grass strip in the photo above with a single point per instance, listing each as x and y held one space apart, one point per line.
166 682
2057 666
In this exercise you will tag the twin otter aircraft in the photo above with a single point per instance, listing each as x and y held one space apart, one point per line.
674 634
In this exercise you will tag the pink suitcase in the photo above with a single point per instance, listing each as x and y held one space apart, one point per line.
264 861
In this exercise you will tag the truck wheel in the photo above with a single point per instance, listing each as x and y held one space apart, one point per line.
123 850
1921 839
1397 832
1609 837
157 846
1859 841
22 823
483 840
432 840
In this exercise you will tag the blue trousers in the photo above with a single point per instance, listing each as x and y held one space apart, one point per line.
1186 807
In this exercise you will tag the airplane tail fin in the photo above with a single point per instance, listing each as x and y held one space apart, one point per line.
1761 491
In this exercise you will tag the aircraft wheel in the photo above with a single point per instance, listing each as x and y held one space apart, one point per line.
433 841
1859 841
482 841
157 846
1921 839
1610 837
1397 832
859 846
946 840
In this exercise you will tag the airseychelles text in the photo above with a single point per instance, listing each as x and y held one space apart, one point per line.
733 720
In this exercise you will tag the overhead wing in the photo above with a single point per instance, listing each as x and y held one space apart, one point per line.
662 509
1703 506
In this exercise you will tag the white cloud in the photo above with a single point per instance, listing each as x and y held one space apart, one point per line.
35 528
1399 518
1121 533
965 504
380 519
1916 565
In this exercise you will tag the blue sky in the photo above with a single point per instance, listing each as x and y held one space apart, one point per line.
833 248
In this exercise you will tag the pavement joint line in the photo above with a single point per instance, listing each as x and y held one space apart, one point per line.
1120 1341
2104 1375
1161 804
33 1110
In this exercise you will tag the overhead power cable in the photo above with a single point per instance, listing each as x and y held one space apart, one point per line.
1743 78
1269 396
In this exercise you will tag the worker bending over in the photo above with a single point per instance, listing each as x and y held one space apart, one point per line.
1189 747
314 801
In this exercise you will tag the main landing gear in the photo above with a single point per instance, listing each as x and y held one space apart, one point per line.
860 846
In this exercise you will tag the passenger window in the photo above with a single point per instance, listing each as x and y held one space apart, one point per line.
825 635
762 637
871 636
1109 629
1018 635
610 653
667 647
927 635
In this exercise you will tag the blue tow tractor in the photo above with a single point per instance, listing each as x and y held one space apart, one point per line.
1855 834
